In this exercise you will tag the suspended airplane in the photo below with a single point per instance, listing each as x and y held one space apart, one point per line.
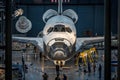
59 42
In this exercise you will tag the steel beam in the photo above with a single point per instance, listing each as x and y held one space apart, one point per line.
107 15
54 4
8 40
118 69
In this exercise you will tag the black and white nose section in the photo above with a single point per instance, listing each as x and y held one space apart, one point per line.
59 50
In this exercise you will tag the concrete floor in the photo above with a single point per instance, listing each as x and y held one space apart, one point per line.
72 71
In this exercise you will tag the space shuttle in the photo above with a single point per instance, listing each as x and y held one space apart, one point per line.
59 33
59 42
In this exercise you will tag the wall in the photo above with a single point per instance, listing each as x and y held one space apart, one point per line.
91 17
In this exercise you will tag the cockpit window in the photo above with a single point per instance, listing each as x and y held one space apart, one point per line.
50 29
56 29
59 28
63 29
68 29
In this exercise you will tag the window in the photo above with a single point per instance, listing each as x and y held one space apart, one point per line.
50 29
56 28
59 28
62 29
68 29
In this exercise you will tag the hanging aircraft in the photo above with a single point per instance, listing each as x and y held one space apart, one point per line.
59 42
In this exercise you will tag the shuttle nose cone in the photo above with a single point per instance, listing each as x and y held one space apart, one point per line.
59 54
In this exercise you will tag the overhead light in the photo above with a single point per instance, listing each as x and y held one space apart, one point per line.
18 12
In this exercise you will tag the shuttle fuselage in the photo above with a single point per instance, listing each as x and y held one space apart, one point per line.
59 34
59 37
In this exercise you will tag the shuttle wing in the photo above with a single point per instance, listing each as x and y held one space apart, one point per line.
88 40
80 42
36 41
